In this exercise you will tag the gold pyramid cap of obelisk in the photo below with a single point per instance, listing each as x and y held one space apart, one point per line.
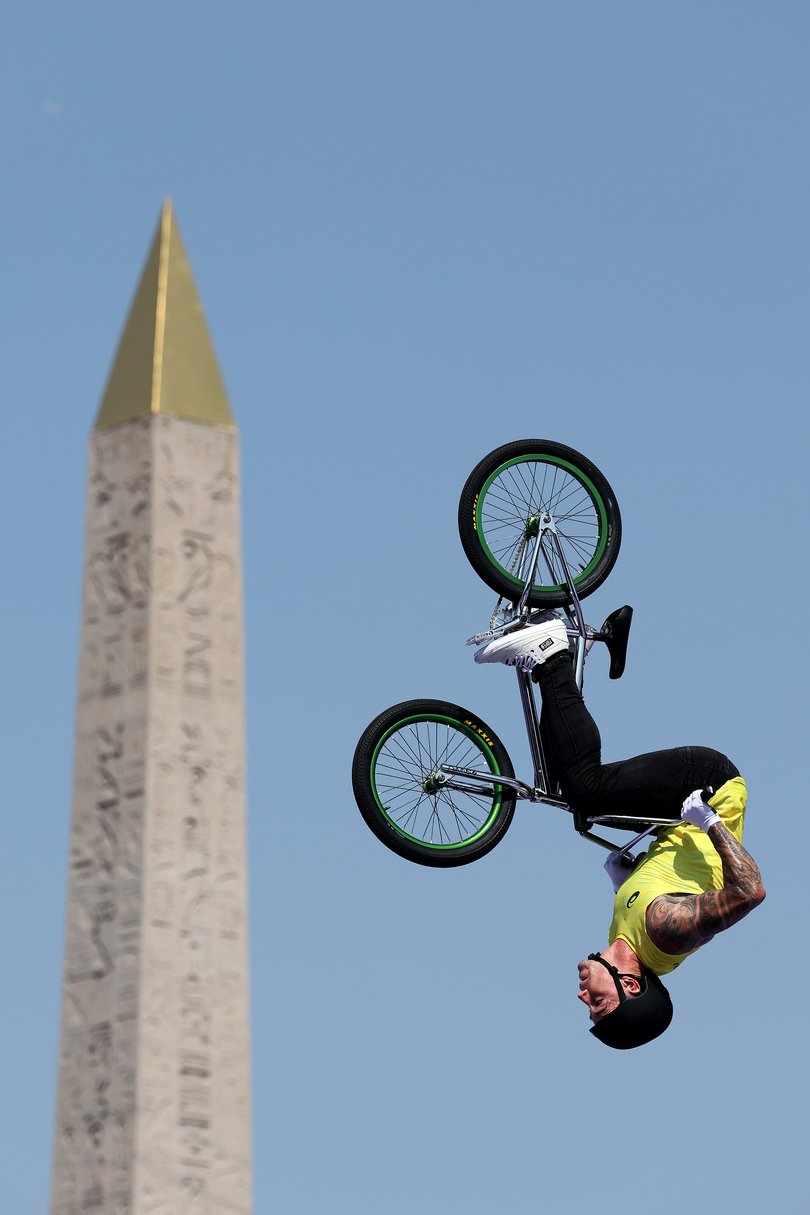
165 362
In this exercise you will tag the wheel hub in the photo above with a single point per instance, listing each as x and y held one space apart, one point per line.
535 522
433 782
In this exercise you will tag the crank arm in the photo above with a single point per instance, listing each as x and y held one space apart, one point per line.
513 626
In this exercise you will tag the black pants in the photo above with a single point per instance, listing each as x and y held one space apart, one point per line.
655 784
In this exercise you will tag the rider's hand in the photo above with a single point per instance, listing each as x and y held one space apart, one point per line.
618 867
696 812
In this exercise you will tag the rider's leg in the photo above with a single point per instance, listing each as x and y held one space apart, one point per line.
655 783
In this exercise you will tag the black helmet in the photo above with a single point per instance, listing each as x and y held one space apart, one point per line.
638 1019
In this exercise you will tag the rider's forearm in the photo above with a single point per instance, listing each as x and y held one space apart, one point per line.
680 923
742 882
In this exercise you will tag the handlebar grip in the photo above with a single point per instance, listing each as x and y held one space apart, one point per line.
707 793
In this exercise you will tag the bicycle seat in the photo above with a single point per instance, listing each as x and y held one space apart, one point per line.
615 633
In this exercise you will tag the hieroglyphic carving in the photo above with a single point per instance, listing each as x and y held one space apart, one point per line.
97 1092
200 770
157 952
98 1052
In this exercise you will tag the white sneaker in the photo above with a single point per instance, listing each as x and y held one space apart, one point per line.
529 647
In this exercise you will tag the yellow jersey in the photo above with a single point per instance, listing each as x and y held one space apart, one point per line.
681 860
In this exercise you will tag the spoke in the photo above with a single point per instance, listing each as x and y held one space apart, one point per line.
406 745
394 766
515 495
412 752
394 771
526 488
535 466
508 548
402 752
459 829
394 794
499 498
515 475
502 527
568 487
586 511
475 823
424 750
394 799
581 551
413 811
436 819
461 740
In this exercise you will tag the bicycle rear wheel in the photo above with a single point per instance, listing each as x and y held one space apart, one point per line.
502 503
397 785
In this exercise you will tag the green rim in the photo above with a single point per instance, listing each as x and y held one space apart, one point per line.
471 731
593 494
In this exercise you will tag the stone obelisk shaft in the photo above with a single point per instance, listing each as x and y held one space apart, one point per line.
153 1110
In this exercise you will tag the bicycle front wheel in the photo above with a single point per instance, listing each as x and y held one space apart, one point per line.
503 502
401 794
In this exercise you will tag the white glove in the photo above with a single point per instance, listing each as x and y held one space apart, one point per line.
695 811
618 867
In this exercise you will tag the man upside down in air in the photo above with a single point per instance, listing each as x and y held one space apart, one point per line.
695 879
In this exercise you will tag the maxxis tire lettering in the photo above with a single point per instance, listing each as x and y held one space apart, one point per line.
594 485
496 820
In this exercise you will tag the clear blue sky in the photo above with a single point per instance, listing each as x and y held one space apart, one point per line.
420 230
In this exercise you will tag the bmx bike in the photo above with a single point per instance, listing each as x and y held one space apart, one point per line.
541 526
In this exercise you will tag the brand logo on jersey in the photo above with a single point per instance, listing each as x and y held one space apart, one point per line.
632 898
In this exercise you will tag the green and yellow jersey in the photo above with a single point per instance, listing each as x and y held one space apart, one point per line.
681 860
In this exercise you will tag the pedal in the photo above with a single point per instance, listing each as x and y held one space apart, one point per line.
503 615
615 633
480 638
511 626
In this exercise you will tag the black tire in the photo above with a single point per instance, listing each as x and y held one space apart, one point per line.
502 500
396 756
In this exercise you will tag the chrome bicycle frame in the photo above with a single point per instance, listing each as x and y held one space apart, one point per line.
540 792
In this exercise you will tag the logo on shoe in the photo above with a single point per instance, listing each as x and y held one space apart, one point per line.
545 644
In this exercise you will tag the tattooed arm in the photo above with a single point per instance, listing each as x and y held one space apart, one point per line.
678 923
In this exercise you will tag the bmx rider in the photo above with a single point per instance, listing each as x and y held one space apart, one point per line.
696 878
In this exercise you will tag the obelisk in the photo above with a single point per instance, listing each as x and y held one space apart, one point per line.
153 1114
